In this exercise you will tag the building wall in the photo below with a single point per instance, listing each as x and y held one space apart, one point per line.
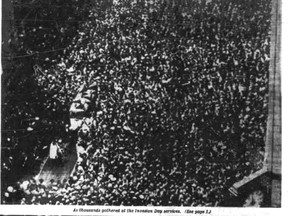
273 136
7 20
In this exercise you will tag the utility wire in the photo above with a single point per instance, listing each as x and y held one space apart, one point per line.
35 53
46 20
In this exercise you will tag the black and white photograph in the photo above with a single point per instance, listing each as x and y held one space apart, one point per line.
148 103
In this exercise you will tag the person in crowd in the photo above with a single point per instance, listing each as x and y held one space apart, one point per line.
55 154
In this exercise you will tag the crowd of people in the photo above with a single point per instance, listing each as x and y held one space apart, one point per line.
32 115
181 105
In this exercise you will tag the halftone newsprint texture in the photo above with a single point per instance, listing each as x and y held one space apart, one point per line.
151 103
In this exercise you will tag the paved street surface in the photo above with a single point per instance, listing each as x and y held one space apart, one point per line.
59 172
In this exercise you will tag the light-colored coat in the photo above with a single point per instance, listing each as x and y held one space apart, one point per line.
53 151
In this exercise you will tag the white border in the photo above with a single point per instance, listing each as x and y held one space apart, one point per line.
68 210
284 90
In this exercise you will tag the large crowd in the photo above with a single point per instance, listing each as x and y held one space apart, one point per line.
31 114
181 105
